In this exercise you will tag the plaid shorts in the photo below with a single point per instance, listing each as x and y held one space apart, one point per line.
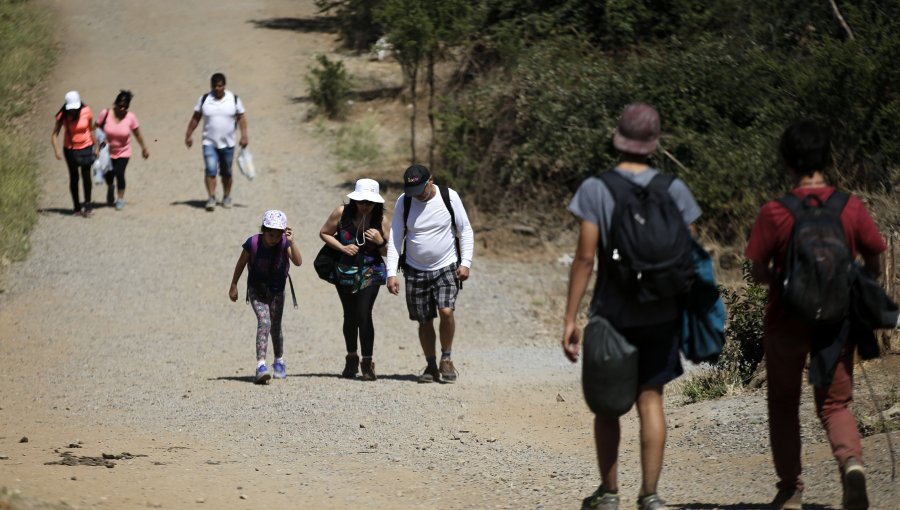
426 291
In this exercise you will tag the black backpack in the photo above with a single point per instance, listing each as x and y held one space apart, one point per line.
649 246
817 278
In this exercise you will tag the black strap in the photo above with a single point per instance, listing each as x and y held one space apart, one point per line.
795 205
203 100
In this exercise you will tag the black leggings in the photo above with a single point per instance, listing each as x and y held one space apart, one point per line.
117 172
358 317
74 166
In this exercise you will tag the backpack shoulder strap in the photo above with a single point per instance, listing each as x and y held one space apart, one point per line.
105 114
792 203
254 246
203 101
616 184
407 201
445 195
661 182
836 202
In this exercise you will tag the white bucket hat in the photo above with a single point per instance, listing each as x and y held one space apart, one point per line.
73 100
275 219
366 190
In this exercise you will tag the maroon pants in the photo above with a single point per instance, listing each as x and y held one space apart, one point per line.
785 359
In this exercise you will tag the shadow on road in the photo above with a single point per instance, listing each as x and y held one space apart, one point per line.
303 25
739 506
334 375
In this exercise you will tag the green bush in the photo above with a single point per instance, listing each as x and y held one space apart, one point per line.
329 87
26 53
355 20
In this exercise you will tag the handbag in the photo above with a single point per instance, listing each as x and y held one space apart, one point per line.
609 374
325 262
703 335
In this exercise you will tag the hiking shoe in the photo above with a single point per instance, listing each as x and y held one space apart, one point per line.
447 370
855 497
262 375
601 499
211 204
651 502
120 204
109 195
788 499
351 366
86 211
279 369
226 202
367 366
430 375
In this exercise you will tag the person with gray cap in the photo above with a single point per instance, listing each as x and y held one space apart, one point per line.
652 323
432 241
357 232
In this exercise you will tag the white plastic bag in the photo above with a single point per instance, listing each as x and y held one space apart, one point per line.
102 164
245 163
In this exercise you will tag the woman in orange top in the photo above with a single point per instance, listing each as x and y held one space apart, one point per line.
80 147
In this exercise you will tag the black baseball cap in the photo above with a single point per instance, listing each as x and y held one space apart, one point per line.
415 179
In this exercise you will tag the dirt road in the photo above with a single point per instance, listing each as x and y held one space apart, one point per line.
117 337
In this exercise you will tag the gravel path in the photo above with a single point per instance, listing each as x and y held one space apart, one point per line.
116 335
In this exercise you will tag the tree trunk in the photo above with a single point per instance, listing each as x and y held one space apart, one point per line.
413 78
430 78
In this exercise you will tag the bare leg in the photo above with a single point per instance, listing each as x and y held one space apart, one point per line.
427 337
653 436
606 436
226 185
210 186
447 327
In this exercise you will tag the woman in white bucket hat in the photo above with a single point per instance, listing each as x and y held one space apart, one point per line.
359 232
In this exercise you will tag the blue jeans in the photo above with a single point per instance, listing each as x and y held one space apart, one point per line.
218 161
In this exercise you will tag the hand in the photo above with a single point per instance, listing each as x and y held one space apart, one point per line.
244 141
145 153
393 285
571 342
289 234
188 140
374 236
58 155
462 272
350 249
232 293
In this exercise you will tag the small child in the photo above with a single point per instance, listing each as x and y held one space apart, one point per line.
267 254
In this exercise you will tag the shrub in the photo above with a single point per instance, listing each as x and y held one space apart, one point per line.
356 23
329 87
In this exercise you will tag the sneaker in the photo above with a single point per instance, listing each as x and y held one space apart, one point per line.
110 195
430 375
262 375
211 204
651 502
351 366
226 202
279 370
78 212
788 499
367 366
447 370
601 500
855 497
86 211
120 204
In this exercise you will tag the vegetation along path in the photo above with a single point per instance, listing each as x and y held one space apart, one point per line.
125 370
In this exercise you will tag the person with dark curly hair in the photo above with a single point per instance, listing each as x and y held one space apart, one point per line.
358 231
118 129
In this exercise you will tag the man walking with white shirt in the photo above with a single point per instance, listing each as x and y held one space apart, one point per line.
432 240
222 111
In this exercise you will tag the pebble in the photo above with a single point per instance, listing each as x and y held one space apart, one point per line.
24 439
243 496
200 500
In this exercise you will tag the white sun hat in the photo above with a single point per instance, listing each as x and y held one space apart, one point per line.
73 100
275 219
366 190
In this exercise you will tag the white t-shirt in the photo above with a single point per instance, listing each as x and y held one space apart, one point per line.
219 118
429 239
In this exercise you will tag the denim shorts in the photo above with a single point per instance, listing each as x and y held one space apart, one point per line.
218 161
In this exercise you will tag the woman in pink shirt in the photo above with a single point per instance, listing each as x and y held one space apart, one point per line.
118 128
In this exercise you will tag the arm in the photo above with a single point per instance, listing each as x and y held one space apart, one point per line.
137 136
238 269
192 125
242 125
376 237
872 264
466 237
54 138
394 247
94 144
293 248
579 275
326 233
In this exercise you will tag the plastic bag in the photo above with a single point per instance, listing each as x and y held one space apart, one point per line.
245 164
609 374
102 164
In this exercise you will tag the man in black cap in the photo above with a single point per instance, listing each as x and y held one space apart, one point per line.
432 241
